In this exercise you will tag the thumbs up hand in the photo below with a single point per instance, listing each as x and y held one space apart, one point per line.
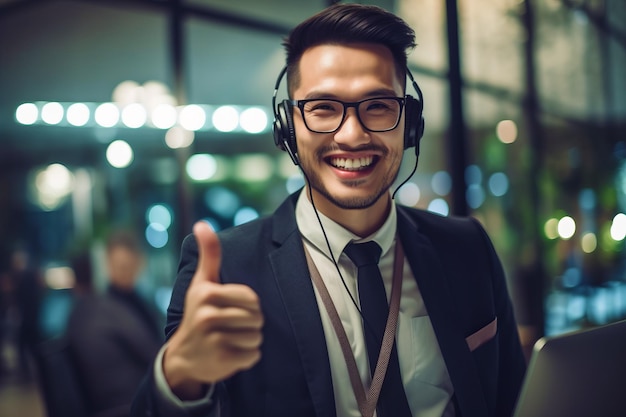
220 332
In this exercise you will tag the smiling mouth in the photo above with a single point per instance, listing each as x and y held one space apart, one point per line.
352 164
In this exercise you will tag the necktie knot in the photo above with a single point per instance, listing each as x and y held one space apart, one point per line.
362 254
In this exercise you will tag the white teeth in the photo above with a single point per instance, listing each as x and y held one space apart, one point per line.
351 164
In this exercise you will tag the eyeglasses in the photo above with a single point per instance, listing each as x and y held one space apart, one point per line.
380 114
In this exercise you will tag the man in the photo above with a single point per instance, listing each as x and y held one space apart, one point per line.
26 280
114 337
269 320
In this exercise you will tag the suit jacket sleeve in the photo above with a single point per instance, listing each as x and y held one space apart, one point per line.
149 402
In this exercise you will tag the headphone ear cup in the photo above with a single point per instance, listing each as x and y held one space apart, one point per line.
413 123
284 130
278 134
279 127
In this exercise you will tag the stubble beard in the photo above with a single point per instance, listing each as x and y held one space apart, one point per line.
351 203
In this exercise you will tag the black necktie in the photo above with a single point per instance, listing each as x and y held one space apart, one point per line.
375 309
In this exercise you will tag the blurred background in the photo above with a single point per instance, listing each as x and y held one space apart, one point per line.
152 114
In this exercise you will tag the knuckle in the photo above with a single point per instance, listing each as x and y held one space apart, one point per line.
206 317
256 340
254 357
254 297
221 340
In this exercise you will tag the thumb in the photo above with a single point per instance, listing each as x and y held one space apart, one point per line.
209 252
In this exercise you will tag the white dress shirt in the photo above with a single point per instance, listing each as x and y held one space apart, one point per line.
424 374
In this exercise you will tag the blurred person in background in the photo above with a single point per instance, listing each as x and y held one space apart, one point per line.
114 335
22 299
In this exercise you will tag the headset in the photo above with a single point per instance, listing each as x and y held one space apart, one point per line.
285 132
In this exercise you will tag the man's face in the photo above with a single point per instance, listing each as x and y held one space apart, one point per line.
124 266
352 167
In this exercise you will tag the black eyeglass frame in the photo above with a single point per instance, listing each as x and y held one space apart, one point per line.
346 105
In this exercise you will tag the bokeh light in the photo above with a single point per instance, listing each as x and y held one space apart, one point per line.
179 137
222 201
253 120
244 215
27 113
294 183
409 194
163 116
119 154
159 214
618 227
201 167
253 167
225 118
441 183
134 115
439 206
192 117
107 115
498 184
506 130
550 228
475 196
473 175
566 227
589 242
52 113
156 235
51 186
78 114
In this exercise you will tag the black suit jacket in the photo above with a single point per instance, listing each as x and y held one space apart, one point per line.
112 346
459 276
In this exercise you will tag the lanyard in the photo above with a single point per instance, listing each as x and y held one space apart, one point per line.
366 404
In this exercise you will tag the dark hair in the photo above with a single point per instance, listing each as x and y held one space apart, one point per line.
125 239
345 24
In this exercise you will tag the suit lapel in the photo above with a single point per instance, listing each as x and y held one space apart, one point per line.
434 286
294 282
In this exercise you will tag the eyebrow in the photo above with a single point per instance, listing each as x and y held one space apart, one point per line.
381 92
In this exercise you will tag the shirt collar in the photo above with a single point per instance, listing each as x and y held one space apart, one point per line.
338 236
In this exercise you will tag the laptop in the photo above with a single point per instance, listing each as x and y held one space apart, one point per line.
577 374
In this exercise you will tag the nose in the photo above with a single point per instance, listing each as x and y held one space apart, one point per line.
351 132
